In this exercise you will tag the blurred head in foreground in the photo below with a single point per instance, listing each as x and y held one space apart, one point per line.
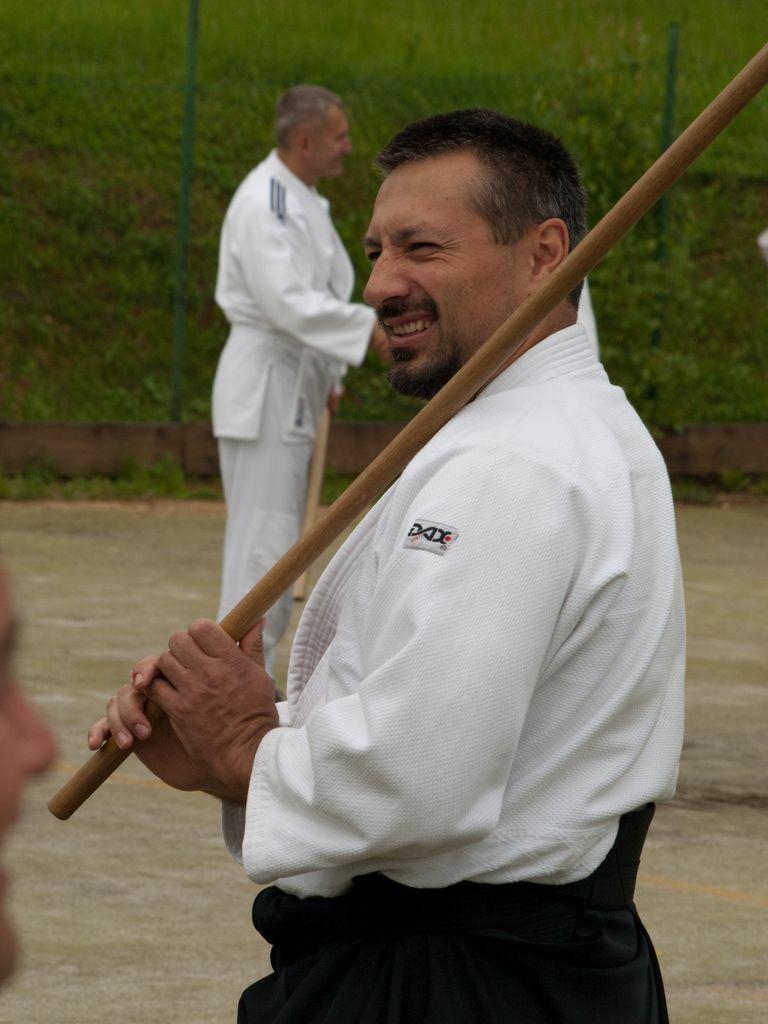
27 748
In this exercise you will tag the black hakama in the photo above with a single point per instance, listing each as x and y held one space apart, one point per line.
522 953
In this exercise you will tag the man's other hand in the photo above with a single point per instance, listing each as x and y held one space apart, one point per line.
333 401
379 343
220 704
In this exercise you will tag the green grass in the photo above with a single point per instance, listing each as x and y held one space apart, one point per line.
334 485
165 479
162 479
91 96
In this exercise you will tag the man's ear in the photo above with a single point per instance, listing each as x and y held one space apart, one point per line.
302 141
549 249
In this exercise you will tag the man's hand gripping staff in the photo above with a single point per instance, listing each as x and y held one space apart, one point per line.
195 768
221 702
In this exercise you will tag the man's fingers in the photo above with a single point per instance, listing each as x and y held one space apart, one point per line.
252 643
144 671
211 638
98 732
379 343
164 694
204 638
169 670
126 718
185 650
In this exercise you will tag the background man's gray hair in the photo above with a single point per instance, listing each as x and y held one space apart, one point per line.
302 105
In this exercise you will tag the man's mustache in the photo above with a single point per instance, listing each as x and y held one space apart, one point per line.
400 307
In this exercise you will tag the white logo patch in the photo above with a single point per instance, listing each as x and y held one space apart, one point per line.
429 536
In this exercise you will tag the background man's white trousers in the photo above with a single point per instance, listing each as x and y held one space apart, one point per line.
265 485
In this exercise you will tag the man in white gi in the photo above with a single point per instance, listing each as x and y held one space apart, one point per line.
485 690
284 284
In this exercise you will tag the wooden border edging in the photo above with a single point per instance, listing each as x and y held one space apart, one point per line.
708 449
80 449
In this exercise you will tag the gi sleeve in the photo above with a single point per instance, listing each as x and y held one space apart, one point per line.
275 258
417 760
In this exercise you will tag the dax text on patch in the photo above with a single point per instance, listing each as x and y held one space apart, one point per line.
429 536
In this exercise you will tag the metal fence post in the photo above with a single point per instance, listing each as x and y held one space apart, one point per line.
667 128
187 153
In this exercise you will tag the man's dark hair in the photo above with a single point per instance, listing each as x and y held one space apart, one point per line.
531 175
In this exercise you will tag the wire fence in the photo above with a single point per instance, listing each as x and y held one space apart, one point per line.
90 177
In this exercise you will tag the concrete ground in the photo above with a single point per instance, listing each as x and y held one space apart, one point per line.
132 910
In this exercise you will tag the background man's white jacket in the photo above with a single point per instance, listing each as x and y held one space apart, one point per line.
284 284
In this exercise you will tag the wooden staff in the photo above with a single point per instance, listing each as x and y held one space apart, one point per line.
507 341
314 487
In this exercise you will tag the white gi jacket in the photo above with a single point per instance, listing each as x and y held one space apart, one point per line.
586 317
490 671
284 283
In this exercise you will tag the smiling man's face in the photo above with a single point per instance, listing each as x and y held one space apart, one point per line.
439 281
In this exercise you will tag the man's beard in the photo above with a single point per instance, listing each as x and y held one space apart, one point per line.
426 379
434 369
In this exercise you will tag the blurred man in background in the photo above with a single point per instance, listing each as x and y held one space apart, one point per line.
284 284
